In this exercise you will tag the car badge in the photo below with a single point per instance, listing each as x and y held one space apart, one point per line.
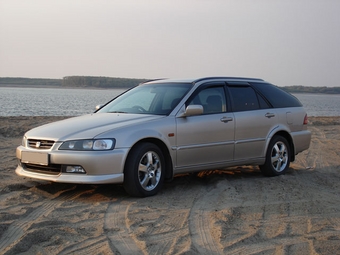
37 144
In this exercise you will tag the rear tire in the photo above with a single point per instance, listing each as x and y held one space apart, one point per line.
144 170
277 157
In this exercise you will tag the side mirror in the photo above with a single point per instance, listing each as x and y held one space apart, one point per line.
191 110
98 106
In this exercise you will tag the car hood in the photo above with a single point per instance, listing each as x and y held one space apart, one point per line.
87 126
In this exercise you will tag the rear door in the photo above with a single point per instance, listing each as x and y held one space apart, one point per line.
254 120
206 139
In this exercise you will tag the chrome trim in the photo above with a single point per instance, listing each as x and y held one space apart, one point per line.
202 145
250 140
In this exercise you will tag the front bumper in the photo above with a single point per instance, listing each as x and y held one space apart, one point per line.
101 166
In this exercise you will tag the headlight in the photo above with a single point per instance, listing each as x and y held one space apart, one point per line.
89 145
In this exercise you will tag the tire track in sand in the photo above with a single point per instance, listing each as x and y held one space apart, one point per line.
117 230
97 245
164 231
200 226
17 229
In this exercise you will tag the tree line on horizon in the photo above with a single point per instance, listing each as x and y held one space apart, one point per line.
111 82
29 81
309 89
100 82
74 81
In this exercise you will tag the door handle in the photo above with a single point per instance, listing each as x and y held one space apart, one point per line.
269 115
226 119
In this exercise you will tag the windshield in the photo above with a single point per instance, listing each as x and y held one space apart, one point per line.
159 98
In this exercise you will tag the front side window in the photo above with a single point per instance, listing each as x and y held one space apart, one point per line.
212 99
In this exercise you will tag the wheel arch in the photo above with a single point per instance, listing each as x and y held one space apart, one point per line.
166 154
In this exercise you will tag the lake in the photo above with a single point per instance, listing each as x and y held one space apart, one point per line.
16 101
52 101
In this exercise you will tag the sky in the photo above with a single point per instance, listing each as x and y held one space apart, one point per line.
285 42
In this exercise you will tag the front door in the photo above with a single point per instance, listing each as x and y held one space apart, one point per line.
206 139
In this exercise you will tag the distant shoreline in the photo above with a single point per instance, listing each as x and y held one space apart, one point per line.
88 82
56 87
28 86
126 88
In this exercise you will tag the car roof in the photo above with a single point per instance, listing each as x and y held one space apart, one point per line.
203 79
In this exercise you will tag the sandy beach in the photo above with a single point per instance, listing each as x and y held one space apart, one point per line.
233 211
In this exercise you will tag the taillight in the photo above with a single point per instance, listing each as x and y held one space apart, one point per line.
305 120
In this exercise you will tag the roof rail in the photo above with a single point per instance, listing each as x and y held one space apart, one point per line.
233 78
152 80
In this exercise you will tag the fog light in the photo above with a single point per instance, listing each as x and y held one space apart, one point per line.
75 169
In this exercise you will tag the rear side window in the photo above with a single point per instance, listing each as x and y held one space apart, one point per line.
244 98
276 96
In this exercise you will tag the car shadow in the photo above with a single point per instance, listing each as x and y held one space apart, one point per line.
185 181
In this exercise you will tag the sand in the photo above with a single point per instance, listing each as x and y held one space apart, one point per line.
235 211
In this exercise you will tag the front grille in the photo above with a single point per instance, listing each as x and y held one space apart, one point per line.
52 169
40 144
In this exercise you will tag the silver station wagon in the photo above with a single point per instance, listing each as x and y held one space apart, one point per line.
162 128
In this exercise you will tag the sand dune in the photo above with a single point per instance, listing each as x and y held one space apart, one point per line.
235 211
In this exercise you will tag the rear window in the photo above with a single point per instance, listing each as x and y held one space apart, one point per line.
276 96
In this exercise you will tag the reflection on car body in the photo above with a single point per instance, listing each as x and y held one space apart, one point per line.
165 127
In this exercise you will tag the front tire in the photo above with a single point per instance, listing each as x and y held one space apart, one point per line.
144 170
277 157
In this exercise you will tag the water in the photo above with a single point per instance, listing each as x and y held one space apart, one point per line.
320 104
74 102
52 101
